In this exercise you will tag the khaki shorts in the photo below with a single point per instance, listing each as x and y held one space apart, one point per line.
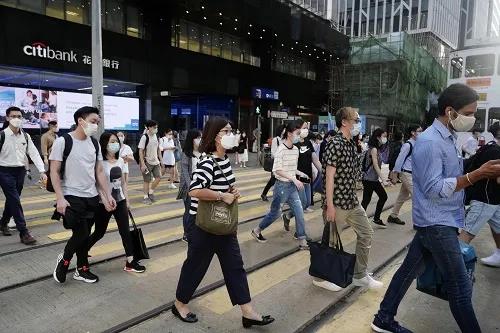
154 171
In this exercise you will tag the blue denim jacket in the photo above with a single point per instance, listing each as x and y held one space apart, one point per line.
436 164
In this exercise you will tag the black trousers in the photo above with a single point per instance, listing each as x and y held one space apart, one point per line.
368 188
11 182
269 184
201 248
79 217
101 225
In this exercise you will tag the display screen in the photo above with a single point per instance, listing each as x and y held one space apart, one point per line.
40 106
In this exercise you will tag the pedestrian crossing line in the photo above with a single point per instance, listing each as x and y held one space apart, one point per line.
134 205
144 219
265 278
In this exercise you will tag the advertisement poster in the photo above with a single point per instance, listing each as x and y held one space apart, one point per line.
39 107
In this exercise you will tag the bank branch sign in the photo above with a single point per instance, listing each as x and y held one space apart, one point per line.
42 50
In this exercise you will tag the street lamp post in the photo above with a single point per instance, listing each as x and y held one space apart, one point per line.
97 76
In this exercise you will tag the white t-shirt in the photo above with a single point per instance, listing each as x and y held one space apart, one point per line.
114 172
151 149
168 155
79 173
286 160
125 150
195 160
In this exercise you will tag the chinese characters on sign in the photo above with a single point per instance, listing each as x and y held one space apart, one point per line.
113 64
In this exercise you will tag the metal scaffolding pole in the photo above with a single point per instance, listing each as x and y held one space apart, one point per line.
97 76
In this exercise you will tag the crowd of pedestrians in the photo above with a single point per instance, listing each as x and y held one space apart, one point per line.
90 180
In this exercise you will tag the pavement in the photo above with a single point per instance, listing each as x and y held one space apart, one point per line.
31 301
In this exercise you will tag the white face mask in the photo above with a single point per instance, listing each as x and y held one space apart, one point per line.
295 138
196 142
462 123
15 122
383 140
304 132
56 129
228 141
356 128
90 129
113 147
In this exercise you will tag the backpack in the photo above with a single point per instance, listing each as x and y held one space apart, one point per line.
2 140
409 153
68 145
470 164
136 152
364 165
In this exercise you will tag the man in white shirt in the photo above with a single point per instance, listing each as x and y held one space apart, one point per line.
149 160
74 178
15 147
470 146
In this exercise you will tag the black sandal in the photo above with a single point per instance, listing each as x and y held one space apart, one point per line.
266 320
190 318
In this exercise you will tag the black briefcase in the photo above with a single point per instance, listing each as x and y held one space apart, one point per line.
331 264
140 248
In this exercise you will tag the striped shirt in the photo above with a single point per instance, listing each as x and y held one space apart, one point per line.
286 160
208 175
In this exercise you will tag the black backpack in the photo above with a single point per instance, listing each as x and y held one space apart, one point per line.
365 165
68 145
136 152
471 164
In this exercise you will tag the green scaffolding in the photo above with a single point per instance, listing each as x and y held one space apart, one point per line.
391 77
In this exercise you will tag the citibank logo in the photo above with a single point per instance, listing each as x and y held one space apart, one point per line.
41 50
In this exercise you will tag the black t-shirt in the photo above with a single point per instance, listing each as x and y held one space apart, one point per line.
487 191
306 150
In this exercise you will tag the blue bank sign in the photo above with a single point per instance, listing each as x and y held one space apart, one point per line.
264 93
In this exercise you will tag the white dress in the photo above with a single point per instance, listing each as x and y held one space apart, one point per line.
168 155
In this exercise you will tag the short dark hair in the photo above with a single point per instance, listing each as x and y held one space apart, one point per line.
495 129
330 133
188 147
457 96
212 128
168 130
52 123
373 142
103 142
342 114
84 112
12 108
292 126
279 130
27 91
150 123
412 128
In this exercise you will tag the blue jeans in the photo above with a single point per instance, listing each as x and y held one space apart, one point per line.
305 196
285 192
438 243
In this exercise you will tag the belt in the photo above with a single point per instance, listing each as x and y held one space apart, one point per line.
407 171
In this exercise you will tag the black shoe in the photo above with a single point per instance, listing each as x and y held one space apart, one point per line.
247 323
392 327
5 230
61 269
380 223
85 275
395 220
190 318
185 239
27 239
264 197
286 222
259 238
134 266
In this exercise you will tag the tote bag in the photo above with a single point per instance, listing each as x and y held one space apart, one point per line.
140 248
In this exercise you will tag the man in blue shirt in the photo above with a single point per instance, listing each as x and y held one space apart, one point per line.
438 211
403 168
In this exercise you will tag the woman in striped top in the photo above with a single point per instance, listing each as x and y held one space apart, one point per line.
213 184
287 187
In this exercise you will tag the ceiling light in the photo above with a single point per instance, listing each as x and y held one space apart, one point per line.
263 30
235 20
131 29
306 46
220 23
296 42
187 11
291 48
220 14
235 28
260 37
249 32
282 44
275 35
125 92
250 25
70 13
90 88
204 17
202 7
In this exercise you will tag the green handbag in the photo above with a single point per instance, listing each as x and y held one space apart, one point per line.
217 217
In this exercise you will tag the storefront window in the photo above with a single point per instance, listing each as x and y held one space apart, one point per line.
206 41
194 38
75 12
55 8
134 22
183 36
236 49
216 44
226 47
114 15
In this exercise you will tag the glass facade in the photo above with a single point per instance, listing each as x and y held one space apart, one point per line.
294 65
117 16
480 65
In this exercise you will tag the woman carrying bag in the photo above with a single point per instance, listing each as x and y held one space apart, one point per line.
189 159
213 189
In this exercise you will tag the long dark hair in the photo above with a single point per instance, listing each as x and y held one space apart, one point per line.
374 142
188 147
212 128
104 140
291 127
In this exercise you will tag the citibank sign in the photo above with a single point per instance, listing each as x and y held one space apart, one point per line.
41 50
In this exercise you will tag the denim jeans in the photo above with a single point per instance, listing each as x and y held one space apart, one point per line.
285 192
438 243
305 196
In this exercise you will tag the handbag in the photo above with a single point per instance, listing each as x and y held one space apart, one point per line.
217 217
140 248
331 264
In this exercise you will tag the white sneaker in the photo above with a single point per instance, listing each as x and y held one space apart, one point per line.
308 210
493 260
11 223
368 282
172 186
327 285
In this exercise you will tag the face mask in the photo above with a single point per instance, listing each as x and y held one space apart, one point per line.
113 147
122 139
15 122
56 130
355 129
227 141
383 141
154 131
296 138
462 123
304 132
243 135
90 129
197 142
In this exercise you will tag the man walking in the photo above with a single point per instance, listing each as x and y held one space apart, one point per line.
15 147
149 160
47 141
403 168
341 169
74 178
438 211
